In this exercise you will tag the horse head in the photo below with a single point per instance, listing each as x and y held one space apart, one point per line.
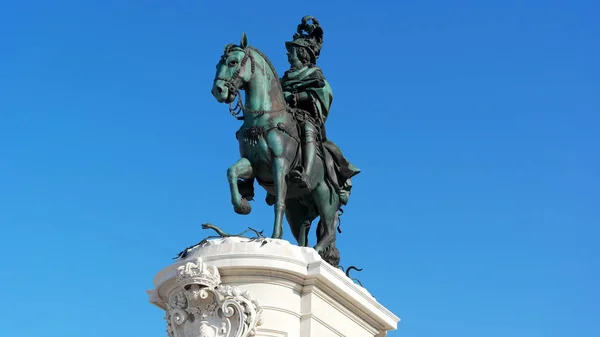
234 72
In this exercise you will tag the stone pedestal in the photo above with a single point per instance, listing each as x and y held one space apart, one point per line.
242 287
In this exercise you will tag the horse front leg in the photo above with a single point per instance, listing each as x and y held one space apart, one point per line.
242 169
280 186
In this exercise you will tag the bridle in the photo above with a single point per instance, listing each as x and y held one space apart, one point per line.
234 83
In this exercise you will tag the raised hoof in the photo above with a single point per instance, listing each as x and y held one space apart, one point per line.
244 208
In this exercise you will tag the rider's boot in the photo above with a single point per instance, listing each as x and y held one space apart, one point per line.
301 175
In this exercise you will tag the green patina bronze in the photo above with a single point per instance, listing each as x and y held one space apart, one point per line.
282 140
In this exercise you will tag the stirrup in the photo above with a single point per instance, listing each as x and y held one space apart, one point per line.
298 176
305 182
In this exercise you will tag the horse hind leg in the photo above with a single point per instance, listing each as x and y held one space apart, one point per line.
300 218
242 169
327 205
331 255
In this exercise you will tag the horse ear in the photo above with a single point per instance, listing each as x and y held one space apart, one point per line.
244 41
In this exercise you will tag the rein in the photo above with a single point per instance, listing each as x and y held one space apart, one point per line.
238 110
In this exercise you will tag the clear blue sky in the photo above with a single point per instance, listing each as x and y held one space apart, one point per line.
476 125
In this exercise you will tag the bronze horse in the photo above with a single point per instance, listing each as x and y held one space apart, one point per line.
269 145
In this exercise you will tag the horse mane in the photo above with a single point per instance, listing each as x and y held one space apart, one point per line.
266 60
231 47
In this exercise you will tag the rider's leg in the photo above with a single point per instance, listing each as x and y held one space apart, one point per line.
308 156
310 147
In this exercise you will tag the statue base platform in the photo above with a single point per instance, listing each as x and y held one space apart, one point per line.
264 287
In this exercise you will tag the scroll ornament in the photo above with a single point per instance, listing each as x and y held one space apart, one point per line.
203 307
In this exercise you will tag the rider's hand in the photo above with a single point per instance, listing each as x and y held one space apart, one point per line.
291 98
294 100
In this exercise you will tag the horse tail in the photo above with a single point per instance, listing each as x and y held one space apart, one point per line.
339 220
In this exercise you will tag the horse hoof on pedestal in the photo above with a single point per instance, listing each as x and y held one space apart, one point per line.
244 208
330 255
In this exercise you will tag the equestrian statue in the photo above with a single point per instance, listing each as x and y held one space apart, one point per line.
282 140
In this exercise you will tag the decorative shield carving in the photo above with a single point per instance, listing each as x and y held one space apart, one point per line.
203 307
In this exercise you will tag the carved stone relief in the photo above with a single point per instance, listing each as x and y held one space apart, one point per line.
203 307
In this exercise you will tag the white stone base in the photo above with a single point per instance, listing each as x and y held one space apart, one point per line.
296 293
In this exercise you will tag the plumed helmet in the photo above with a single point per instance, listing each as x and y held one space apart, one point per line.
309 36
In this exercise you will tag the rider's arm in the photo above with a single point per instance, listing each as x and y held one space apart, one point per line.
295 98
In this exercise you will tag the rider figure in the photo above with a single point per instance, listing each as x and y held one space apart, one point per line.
309 95
306 89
